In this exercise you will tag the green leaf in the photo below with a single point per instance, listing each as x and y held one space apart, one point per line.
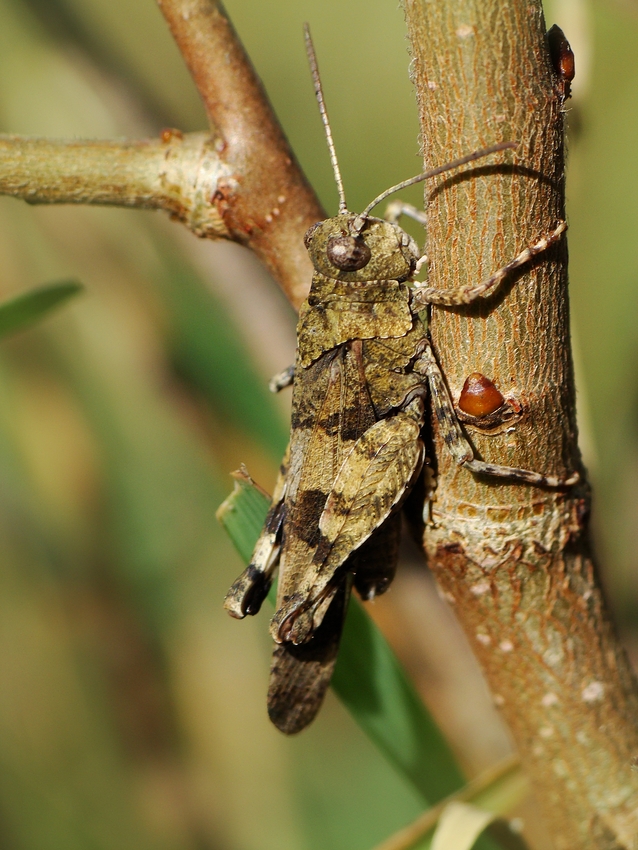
243 513
374 687
29 307
368 677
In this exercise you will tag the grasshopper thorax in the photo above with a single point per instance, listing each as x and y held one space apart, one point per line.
351 248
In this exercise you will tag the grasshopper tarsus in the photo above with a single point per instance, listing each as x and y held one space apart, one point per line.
282 379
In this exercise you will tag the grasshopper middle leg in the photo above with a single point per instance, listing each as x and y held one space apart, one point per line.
455 439
282 380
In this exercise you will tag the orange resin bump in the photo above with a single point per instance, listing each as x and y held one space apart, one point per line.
479 396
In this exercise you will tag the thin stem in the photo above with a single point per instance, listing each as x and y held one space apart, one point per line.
498 789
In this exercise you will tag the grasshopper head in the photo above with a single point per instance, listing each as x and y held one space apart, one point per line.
357 249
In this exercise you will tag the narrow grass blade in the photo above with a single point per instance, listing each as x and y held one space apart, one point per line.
496 791
459 827
29 307
243 513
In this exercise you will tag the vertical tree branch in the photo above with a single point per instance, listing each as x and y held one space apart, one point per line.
267 202
515 560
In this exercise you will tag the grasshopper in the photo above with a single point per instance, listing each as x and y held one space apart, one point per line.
364 368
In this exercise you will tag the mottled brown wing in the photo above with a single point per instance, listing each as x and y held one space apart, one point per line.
300 675
331 410
371 481
374 477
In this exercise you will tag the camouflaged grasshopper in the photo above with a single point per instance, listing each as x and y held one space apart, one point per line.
363 371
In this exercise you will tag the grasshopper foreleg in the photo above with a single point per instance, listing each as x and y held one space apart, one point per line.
396 209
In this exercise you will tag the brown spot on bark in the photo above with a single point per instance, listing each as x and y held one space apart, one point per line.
479 396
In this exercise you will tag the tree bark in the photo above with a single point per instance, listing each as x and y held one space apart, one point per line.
177 173
514 560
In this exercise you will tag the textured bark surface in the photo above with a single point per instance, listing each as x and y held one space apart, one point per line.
177 173
514 560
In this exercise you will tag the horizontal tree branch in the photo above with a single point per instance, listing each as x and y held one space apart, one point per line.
179 174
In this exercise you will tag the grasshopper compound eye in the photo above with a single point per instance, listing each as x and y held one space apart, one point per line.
348 253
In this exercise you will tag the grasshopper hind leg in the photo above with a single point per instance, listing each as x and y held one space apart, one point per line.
374 563
458 444
247 594
300 675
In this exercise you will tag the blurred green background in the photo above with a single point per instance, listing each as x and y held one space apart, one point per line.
132 709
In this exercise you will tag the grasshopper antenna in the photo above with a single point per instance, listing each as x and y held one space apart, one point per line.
314 70
502 146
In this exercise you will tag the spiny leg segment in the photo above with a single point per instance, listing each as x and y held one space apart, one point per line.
424 295
396 209
456 441
282 379
251 588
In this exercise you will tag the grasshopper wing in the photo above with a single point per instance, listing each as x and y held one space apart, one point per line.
374 476
300 675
